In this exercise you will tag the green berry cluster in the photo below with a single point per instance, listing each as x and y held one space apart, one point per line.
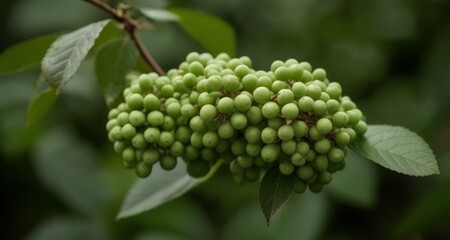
210 108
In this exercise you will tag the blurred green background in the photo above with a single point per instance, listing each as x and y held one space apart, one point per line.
61 180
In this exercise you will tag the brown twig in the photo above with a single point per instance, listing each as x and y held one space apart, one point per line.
130 27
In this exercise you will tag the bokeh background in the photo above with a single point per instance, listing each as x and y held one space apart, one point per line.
61 180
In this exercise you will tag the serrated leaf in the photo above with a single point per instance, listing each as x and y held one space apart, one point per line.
160 187
113 62
398 149
66 167
25 54
42 101
160 15
274 191
212 32
65 55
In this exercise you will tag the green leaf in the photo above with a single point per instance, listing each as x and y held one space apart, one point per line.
66 228
160 15
274 191
25 54
42 101
357 183
66 54
160 187
213 33
67 167
113 62
304 217
398 149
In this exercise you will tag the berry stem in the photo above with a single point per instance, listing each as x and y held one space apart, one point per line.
130 26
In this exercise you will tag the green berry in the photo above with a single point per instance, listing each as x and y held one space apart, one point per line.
123 118
138 141
188 111
282 73
205 98
313 91
242 102
177 149
225 130
299 186
314 134
299 90
197 124
276 64
155 118
276 123
167 91
128 131
322 146
342 138
225 105
135 101
320 74
270 152
295 71
166 139
168 162
214 83
286 132
262 95
151 156
340 119
136 118
265 81
305 172
278 85
244 161
254 115
270 110
238 120
302 148
321 163
290 111
288 147
297 159
174 109
285 96
238 147
333 106
119 146
360 127
241 70
208 113
231 83
210 139
324 126
129 155
286 168
251 174
143 170
253 134
305 104
254 149
324 177
300 128
152 135
249 82
319 108
197 140
269 135
315 187
196 68
335 155
306 65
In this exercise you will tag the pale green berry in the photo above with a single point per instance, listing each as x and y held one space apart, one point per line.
208 113
269 135
262 95
286 132
270 110
238 120
324 126
290 111
270 152
242 102
155 118
225 105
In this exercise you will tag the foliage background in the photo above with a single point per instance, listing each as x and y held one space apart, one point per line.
61 180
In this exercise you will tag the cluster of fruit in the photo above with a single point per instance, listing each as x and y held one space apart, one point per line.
212 109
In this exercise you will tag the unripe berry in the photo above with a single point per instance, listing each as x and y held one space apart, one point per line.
225 105
313 91
322 146
151 156
238 147
128 131
188 111
321 163
123 118
152 135
262 95
282 73
305 172
254 149
208 113
174 109
168 162
166 139
315 187
253 134
286 168
305 104
278 85
300 128
285 96
249 82
290 111
342 138
297 159
299 186
214 83
225 130
302 148
238 120
340 119
196 68
136 118
197 124
129 155
269 135
135 101
155 118
288 147
270 110
177 149
319 108
244 161
299 90
143 170
242 102
210 139
231 83
360 127
286 132
251 174
324 126
270 152
241 70
320 74
138 141
254 115
333 106
335 155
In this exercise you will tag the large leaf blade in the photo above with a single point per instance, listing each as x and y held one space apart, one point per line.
213 33
25 54
113 62
65 55
398 149
274 191
160 187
